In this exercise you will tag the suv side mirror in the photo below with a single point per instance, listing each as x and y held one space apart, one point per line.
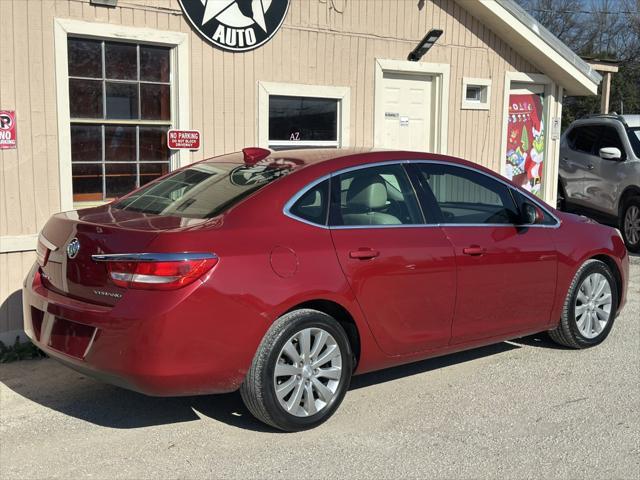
531 214
610 153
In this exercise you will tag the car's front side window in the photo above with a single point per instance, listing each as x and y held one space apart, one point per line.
609 138
583 139
461 196
380 195
520 199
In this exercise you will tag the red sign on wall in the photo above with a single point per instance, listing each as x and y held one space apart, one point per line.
7 129
183 139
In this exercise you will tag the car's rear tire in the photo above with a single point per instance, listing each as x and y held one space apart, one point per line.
630 223
300 373
589 308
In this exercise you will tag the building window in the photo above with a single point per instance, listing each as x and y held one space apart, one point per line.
303 122
294 115
120 112
476 93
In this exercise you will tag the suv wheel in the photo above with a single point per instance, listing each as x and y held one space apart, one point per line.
630 223
300 373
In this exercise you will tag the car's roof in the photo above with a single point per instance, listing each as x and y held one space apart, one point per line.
300 156
630 120
297 159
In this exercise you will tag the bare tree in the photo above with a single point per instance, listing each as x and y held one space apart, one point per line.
605 29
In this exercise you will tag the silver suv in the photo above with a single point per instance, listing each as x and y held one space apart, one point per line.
600 172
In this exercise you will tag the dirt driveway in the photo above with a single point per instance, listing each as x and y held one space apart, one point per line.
516 409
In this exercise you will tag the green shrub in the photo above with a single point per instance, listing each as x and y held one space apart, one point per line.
19 351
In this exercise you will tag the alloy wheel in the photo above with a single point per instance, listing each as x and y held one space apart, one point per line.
308 371
632 224
592 308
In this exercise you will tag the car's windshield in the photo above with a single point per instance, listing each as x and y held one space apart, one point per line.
204 190
634 138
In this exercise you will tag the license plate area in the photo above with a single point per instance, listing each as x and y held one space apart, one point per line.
71 338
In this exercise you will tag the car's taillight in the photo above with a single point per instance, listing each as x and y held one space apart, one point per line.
157 271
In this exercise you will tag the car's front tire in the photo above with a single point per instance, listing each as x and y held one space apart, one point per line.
630 223
589 308
300 373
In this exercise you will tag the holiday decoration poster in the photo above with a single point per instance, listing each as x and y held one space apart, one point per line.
525 141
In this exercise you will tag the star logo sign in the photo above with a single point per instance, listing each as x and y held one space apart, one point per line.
236 25
213 8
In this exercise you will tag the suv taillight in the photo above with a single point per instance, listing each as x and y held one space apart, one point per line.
157 271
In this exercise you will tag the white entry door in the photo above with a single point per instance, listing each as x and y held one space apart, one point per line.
405 112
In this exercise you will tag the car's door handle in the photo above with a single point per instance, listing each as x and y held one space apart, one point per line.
474 250
590 166
364 253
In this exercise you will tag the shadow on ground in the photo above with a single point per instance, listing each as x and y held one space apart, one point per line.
71 393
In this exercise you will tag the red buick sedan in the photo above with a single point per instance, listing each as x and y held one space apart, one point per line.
282 274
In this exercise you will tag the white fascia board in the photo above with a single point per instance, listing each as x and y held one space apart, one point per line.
531 46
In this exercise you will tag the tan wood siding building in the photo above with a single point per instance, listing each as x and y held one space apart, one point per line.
336 48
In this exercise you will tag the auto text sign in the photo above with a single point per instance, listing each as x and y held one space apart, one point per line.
7 129
183 139
236 25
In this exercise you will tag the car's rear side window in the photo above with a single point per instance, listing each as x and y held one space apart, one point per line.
461 196
204 190
634 139
313 204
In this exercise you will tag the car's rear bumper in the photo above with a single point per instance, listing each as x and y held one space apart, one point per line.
157 343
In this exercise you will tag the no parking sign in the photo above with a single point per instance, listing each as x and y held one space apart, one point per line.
7 129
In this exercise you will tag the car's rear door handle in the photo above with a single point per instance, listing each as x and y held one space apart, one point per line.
474 250
590 166
364 253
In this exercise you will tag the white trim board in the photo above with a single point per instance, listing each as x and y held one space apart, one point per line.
527 41
180 83
342 94
476 82
440 73
18 243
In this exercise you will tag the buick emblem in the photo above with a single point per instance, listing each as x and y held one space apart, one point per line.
73 248
236 25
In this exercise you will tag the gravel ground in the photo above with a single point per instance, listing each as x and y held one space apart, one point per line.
518 409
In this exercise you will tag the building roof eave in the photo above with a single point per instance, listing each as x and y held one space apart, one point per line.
540 47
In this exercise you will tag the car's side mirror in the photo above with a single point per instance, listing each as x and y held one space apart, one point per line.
610 153
531 214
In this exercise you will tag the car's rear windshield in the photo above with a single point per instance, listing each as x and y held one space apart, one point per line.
203 190
634 138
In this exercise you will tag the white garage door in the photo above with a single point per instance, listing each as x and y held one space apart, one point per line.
406 112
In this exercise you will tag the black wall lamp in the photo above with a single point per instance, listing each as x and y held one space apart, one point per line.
104 3
425 44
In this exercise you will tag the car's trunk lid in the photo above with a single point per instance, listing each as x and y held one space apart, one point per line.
101 230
